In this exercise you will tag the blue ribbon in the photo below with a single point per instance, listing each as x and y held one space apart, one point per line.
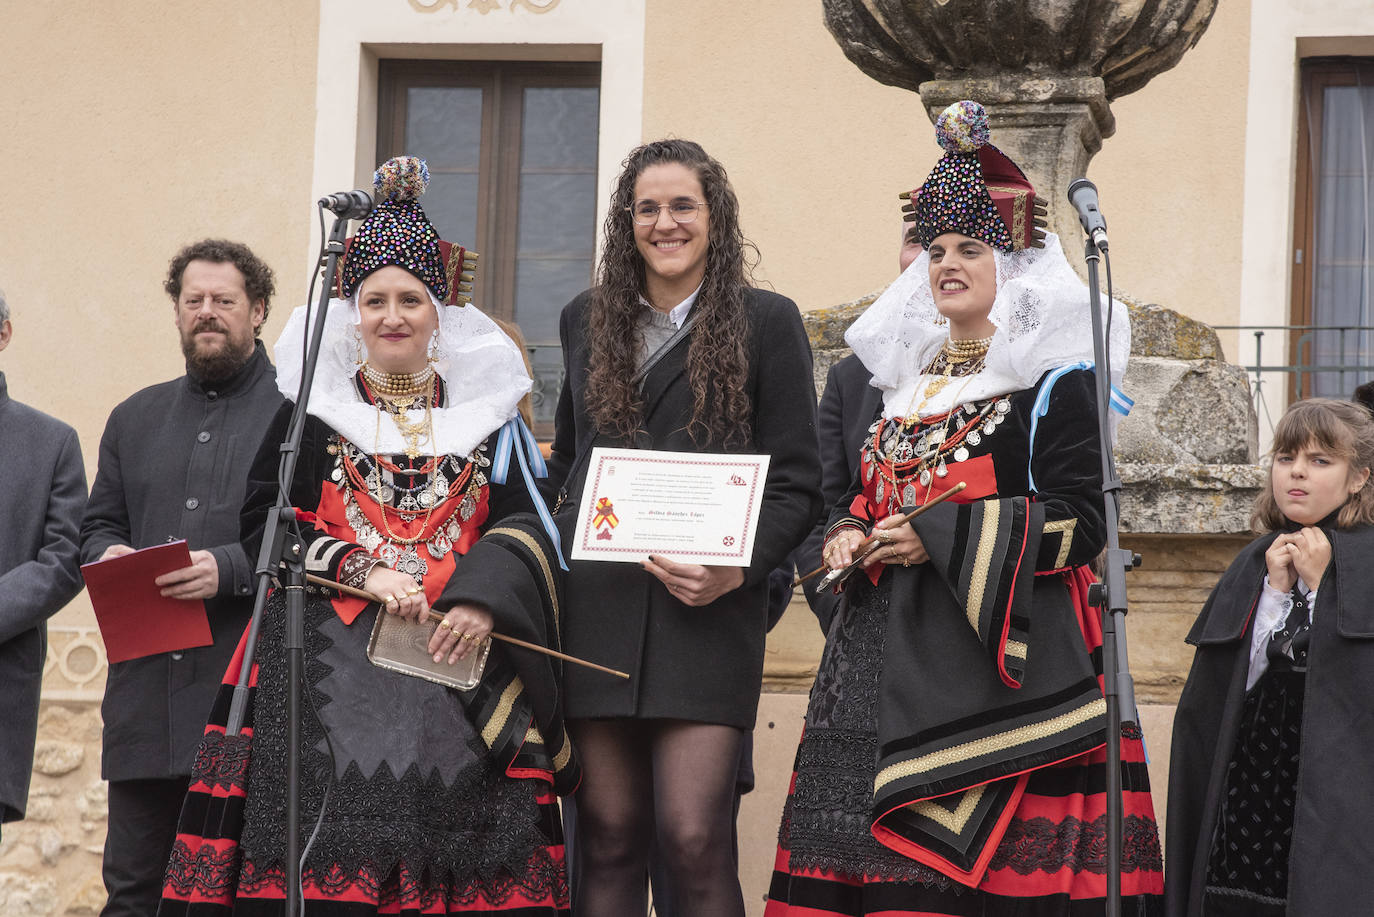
515 437
1119 403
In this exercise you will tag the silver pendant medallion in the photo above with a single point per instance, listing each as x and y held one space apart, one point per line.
961 454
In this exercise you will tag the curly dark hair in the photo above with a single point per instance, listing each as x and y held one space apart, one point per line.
258 280
716 365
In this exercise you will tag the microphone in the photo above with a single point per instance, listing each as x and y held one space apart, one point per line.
1083 197
348 205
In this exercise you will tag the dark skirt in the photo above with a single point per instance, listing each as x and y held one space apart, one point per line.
1247 868
1049 863
418 818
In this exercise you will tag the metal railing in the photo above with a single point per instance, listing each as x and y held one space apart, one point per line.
1326 360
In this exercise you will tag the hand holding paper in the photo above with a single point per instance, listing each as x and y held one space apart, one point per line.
136 618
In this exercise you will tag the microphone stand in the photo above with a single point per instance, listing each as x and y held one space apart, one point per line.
1110 596
282 551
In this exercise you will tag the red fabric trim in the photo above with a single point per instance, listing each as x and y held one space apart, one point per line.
972 876
1006 612
332 519
978 474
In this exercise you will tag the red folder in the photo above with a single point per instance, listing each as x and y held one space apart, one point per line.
135 618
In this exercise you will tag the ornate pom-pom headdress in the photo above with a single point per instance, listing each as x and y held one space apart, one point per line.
975 189
397 232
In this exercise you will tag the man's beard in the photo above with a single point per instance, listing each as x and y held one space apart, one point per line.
218 364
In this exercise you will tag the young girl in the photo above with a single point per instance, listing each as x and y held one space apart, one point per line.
1270 788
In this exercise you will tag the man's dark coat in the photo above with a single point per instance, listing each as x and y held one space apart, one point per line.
847 409
174 463
41 499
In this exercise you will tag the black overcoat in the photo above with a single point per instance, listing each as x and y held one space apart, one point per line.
1332 846
703 664
39 572
848 407
174 463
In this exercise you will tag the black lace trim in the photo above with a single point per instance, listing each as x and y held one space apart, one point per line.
204 870
539 879
376 823
826 821
1041 845
222 761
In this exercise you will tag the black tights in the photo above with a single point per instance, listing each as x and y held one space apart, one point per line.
665 784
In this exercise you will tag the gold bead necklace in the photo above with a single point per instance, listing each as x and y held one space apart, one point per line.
397 384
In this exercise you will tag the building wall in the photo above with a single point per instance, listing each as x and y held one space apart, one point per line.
818 152
135 127
131 129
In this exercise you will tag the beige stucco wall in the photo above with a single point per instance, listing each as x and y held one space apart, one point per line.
818 151
131 128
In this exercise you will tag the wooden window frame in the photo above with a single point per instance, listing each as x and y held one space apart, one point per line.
1317 75
503 84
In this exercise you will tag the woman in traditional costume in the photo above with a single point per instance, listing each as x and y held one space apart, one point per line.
414 483
675 350
1270 790
953 756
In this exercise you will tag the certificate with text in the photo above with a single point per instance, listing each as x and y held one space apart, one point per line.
687 506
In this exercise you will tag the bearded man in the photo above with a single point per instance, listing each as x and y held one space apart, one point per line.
174 461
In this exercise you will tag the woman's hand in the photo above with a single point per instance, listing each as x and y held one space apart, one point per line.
1279 559
901 544
839 550
461 632
694 584
1311 555
399 593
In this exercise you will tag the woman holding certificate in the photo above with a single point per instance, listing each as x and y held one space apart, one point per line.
673 350
953 757
414 483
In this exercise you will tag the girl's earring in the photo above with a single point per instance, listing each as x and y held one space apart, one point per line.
434 347
941 320
358 358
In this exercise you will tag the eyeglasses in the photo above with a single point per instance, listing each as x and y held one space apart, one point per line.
682 210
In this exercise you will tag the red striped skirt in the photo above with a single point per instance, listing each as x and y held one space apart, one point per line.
1051 861
210 875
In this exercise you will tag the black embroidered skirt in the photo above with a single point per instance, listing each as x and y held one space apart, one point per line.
1247 869
418 819
1050 862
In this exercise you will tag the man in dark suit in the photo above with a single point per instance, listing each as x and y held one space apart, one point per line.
174 462
39 567
847 408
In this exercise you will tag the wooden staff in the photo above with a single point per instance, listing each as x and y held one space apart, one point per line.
871 543
436 617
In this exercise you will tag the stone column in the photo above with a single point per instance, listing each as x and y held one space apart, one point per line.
1045 69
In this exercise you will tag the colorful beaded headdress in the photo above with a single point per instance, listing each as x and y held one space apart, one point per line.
974 189
397 232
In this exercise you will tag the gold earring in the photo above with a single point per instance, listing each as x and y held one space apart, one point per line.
434 347
358 358
941 320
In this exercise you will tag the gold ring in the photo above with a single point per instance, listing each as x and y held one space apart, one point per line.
443 622
389 599
413 590
465 637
